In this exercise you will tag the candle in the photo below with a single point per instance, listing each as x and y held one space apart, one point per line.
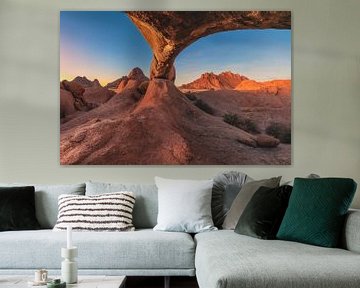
69 237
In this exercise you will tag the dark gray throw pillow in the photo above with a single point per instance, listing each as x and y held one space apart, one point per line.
263 214
243 198
17 209
226 187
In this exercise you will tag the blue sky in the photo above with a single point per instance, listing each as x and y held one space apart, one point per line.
106 45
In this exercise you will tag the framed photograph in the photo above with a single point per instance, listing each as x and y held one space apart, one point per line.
175 88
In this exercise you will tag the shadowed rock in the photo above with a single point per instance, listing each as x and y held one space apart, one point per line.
169 32
115 84
77 91
97 95
66 103
86 83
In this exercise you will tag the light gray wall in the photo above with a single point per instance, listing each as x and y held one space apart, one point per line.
326 91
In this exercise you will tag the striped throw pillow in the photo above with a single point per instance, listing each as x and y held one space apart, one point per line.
105 212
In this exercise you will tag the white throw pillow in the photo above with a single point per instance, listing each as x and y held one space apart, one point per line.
184 205
105 212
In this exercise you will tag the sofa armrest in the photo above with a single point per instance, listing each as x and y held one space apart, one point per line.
351 234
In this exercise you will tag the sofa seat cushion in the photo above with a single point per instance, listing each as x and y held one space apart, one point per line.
226 259
142 249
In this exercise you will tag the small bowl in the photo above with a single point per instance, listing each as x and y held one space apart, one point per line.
56 283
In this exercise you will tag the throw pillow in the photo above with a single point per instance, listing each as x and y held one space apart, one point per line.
226 187
184 205
106 212
263 215
17 209
46 200
146 205
317 210
243 198
311 176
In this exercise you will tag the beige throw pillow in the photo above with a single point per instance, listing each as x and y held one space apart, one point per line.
104 212
243 198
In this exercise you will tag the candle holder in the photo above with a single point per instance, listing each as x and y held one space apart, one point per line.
69 271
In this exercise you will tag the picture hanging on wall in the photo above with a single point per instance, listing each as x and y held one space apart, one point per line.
171 87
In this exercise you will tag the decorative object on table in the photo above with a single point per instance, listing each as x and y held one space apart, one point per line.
40 279
263 214
56 283
41 275
190 115
317 210
69 271
105 212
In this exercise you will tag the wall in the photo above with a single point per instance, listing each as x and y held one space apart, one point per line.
326 85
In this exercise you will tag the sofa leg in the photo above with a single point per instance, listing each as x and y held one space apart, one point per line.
167 282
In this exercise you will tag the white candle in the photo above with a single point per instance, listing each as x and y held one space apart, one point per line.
69 237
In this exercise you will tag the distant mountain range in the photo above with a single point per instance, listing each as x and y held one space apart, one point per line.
207 81
233 81
224 80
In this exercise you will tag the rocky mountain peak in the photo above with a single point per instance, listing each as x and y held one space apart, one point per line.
210 80
136 74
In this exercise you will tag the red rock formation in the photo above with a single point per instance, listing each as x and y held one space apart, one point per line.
114 84
133 80
76 89
272 87
169 32
267 141
249 85
85 95
228 80
158 129
77 92
97 95
86 83
225 80
66 103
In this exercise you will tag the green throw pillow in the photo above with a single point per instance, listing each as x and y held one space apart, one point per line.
316 211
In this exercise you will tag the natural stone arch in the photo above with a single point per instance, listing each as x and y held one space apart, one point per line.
169 32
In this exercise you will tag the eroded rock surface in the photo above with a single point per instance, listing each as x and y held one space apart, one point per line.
169 32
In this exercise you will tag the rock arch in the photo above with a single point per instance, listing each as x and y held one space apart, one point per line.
169 32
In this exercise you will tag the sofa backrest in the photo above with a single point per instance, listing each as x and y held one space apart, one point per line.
351 236
146 203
